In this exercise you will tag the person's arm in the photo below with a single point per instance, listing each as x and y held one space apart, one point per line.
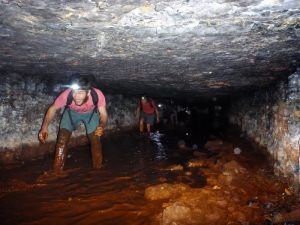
43 133
138 111
156 111
103 121
157 114
103 116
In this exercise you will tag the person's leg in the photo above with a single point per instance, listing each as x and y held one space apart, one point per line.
96 149
66 128
91 124
149 121
61 150
141 125
148 128
142 121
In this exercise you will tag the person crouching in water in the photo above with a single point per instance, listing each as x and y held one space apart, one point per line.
146 112
82 103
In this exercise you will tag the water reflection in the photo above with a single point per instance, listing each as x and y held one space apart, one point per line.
160 153
86 196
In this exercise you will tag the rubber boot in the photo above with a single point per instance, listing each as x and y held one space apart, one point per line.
96 149
63 138
148 128
141 126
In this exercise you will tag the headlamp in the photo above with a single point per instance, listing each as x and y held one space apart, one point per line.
75 87
143 97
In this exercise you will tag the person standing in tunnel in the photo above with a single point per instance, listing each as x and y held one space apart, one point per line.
82 102
146 112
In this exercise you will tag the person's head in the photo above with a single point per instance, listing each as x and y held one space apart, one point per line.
81 89
144 99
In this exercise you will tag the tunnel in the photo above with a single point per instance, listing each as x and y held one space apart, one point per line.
221 145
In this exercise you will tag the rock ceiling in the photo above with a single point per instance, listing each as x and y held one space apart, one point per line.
164 48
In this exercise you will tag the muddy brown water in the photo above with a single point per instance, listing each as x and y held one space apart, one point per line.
30 194
111 195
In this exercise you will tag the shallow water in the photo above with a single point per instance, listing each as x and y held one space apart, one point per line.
112 195
115 194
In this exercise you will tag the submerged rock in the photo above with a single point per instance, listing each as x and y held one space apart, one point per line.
214 144
195 163
237 151
174 168
176 214
234 166
289 216
199 154
164 191
181 144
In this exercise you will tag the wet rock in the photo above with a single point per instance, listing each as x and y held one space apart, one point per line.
290 216
253 202
214 144
164 191
199 154
176 214
181 144
216 187
239 217
222 203
278 218
188 173
237 151
212 217
194 147
225 178
162 179
199 206
268 205
234 166
195 163
174 168
287 192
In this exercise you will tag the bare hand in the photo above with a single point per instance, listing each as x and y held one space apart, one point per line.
99 131
43 135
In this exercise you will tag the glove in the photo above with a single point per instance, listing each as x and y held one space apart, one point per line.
99 131
43 137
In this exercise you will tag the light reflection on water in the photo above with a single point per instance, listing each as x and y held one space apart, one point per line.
86 196
161 153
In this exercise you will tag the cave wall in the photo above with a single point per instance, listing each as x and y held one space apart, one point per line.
23 103
271 118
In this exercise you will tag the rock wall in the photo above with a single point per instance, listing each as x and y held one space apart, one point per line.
23 103
272 119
